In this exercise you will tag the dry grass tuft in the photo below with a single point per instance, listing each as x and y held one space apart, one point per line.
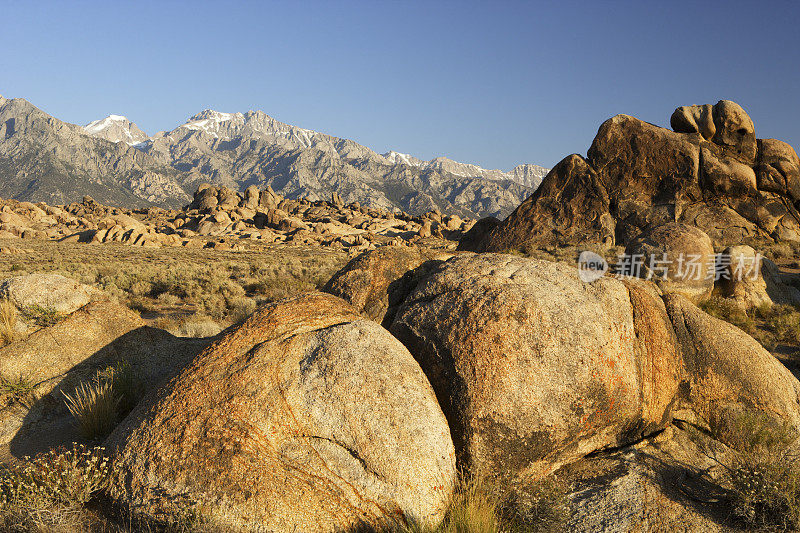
769 324
196 326
42 316
126 384
100 404
94 406
478 506
763 476
729 311
21 389
475 509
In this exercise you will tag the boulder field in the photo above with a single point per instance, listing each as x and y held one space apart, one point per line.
358 407
312 416
221 218
710 171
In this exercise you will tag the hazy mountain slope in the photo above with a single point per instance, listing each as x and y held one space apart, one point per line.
45 159
238 150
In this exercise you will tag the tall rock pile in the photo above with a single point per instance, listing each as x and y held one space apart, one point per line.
710 172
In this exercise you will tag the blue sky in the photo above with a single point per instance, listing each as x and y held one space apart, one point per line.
494 83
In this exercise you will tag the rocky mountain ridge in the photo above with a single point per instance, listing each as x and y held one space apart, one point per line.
227 126
47 160
237 150
43 159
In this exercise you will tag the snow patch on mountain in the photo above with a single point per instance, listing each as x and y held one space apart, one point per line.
405 159
99 125
116 128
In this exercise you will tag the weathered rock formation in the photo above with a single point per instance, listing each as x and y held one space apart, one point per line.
535 368
304 418
710 172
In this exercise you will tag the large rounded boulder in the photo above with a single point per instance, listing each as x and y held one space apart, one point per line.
678 257
375 281
304 418
535 368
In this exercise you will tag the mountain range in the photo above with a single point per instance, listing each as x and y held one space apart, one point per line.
45 159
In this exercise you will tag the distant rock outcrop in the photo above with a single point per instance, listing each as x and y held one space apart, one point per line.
710 172
220 218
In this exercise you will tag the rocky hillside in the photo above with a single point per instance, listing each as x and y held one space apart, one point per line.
710 171
44 159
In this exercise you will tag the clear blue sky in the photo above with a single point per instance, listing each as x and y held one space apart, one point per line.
494 83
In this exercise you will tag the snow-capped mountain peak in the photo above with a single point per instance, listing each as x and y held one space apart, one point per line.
406 159
116 128
213 122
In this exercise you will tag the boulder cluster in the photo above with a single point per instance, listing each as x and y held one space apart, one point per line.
710 172
356 407
312 416
220 218
524 393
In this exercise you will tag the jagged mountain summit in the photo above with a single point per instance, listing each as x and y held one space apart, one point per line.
228 126
116 128
45 159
